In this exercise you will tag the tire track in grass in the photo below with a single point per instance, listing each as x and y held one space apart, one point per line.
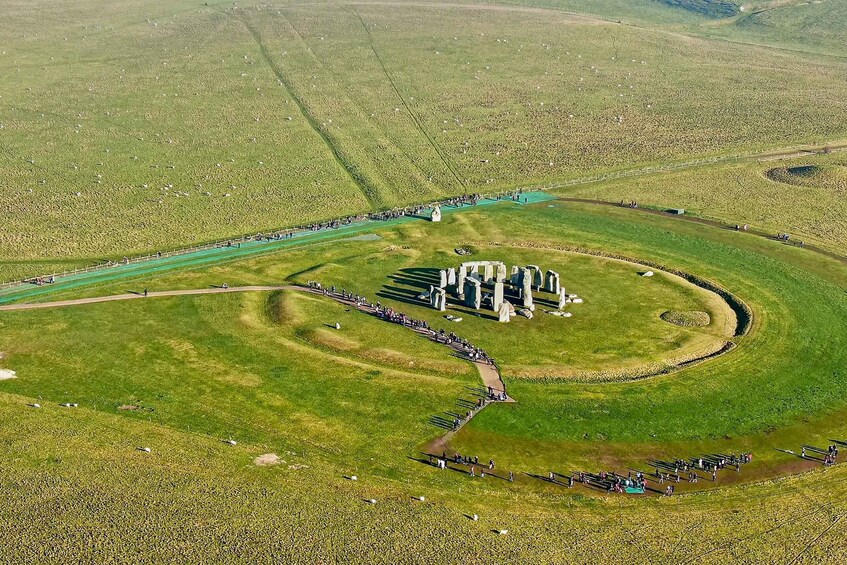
412 115
368 191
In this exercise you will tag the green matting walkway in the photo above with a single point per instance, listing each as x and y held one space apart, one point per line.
201 257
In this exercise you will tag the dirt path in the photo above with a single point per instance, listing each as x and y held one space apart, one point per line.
140 295
488 372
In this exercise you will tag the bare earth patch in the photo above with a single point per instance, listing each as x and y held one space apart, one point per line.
268 459
687 319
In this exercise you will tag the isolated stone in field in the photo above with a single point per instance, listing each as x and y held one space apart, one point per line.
230 442
144 449
7 374
435 216
647 274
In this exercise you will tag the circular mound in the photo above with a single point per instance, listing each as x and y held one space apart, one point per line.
810 175
687 319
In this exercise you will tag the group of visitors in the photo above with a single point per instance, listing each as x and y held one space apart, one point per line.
39 281
472 463
830 455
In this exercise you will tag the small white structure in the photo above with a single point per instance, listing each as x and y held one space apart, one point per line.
435 216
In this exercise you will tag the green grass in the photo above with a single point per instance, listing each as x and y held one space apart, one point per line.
391 104
264 369
388 105
809 207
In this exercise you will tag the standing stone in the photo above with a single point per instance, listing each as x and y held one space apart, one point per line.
460 281
563 297
515 276
473 293
451 276
537 276
432 292
501 272
442 278
488 273
440 300
526 279
474 274
497 298
436 214
503 312
551 282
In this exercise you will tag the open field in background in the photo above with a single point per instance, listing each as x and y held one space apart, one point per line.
263 369
805 197
182 132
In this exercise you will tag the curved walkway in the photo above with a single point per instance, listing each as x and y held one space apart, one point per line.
487 371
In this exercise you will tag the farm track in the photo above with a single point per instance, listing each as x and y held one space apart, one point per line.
368 191
412 115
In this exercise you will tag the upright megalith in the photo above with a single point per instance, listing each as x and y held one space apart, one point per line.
551 282
537 276
442 278
460 280
451 276
504 312
501 272
497 297
563 298
515 277
488 272
473 293
440 301
526 280
474 271
435 216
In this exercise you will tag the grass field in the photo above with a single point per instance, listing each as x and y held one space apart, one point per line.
265 369
109 155
227 427
808 203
